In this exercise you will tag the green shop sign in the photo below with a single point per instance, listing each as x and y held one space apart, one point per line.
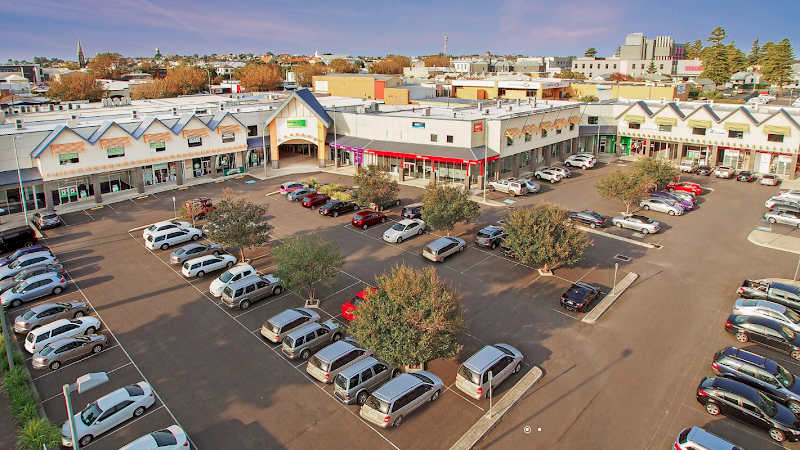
68 157
115 152
233 171
296 123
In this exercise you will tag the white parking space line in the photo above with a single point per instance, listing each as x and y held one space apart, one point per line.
341 290
263 303
587 273
105 435
112 208
75 362
470 267
60 394
732 423
455 391
90 216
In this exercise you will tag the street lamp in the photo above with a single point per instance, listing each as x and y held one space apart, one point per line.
82 384
19 175
7 340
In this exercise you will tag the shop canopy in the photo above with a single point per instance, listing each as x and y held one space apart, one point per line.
10 179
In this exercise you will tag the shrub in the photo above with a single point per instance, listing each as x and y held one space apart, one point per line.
22 403
343 196
16 377
330 189
38 432
312 183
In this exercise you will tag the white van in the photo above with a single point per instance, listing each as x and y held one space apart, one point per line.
169 237
62 328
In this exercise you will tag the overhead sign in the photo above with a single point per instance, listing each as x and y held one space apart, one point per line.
296 123
232 171
115 152
681 89
477 127
321 86
418 124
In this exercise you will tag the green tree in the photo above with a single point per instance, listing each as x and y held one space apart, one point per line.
305 263
587 98
658 170
374 186
76 86
590 52
651 69
693 49
737 59
754 58
777 64
413 318
543 235
446 205
627 187
237 222
108 65
715 57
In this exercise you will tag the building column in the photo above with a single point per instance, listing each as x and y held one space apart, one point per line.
240 160
140 180
751 160
515 172
466 178
574 149
713 161
273 145
402 172
49 187
793 167
179 168
98 197
547 154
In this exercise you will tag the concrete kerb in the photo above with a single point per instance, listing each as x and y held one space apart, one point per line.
776 242
610 299
619 238
500 409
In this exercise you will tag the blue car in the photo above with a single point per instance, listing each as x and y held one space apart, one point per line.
23 251
688 206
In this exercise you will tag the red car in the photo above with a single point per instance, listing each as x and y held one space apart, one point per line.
363 219
685 186
352 305
312 201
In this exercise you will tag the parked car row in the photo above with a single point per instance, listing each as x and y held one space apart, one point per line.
727 172
329 206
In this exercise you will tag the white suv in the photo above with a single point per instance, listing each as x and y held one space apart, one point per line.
514 188
167 238
204 264
231 275
582 160
545 173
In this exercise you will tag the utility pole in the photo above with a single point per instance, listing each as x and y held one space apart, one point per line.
445 45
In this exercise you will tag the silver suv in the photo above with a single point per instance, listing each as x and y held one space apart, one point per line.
443 247
355 383
302 342
276 328
514 188
331 360
394 400
244 292
501 360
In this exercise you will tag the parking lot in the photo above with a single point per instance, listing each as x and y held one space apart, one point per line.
231 388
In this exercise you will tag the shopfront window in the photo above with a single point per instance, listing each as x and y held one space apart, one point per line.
524 159
158 147
451 172
252 131
69 158
115 152
665 128
116 181
527 137
782 163
775 137
733 158
633 126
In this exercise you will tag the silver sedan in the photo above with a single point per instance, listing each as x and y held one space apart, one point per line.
296 196
642 224
661 205
192 251
787 217
49 312
56 354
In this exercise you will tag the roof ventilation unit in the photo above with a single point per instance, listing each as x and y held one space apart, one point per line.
18 124
134 114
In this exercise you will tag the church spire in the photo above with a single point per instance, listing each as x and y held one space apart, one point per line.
81 58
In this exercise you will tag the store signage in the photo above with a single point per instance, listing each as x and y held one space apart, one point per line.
321 86
228 137
114 152
418 124
784 158
477 127
160 166
232 171
681 89
158 147
296 123
732 153
67 156
648 126
195 141
63 192
716 131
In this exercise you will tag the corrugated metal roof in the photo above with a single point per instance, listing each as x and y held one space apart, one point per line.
9 178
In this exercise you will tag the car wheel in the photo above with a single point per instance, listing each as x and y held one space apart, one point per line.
97 348
78 314
383 219
593 225
538 177
365 226
57 290
491 188
313 207
200 274
671 190
644 231
277 290
435 395
90 330
646 207
215 253
335 214
85 440
398 421
380 208
229 265
361 398
462 247
712 409
245 304
399 239
15 303
584 167
796 354
494 246
138 411
420 232
619 225
195 237
568 164
671 212
443 258
29 244
777 435
771 220
165 246
518 367
794 407
337 336
397 202
55 365
305 354
741 337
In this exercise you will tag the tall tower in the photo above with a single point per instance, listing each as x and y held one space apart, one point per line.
81 58
445 45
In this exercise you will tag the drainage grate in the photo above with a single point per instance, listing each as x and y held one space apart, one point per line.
622 257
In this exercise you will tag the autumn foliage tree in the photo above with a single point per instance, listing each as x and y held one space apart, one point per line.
391 65
260 77
339 65
108 65
374 186
76 86
437 61
304 73
180 80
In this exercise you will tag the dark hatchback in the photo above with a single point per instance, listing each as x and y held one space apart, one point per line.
491 237
336 207
705 170
758 372
579 297
590 218
314 200
749 406
507 252
412 211
746 176
764 331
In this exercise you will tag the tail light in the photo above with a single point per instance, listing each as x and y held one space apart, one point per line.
327 375
346 395
63 281
715 365
741 290
151 394
480 390
677 447
702 393
186 444
24 324
727 324
386 419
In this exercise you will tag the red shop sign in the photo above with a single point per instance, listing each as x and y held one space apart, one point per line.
477 127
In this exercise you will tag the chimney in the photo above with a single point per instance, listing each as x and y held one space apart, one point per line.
174 111
134 114
18 124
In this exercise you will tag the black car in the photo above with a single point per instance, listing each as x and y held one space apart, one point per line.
748 405
579 296
745 176
761 373
764 331
336 207
412 211
590 218
17 238
705 170
384 205
491 237
507 252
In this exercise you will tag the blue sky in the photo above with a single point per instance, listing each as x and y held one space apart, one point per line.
360 27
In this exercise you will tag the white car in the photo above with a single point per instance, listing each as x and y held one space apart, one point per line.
792 194
781 200
231 275
546 173
796 103
563 171
533 188
403 230
786 217
642 224
165 225
582 160
724 172
167 238
198 267
661 205
771 310
60 329
171 438
107 412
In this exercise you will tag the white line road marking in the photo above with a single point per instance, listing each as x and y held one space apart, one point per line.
455 391
90 216
107 372
278 297
109 205
587 273
470 267
126 425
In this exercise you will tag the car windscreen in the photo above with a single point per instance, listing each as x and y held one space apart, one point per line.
227 292
49 217
28 315
791 315
787 333
472 377
225 277
378 404
180 251
484 235
355 301
399 227
357 217
152 228
19 288
783 375
46 350
164 438
91 413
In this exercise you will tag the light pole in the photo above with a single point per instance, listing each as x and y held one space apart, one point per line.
335 145
19 175
82 384
6 339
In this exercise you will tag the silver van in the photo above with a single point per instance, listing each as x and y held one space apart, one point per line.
331 360
302 342
696 438
443 247
355 383
501 360
246 291
394 400
276 328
